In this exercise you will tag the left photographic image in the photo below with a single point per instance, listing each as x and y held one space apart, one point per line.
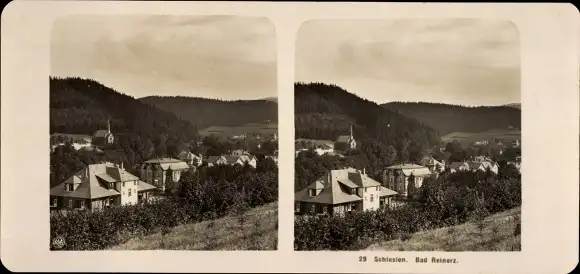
163 133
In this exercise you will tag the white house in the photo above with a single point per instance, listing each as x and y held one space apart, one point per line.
341 191
98 186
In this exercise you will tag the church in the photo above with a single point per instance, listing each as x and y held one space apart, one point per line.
103 137
345 142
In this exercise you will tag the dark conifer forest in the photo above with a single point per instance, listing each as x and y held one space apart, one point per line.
82 106
446 118
204 112
326 111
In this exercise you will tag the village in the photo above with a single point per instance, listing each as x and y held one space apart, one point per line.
348 189
106 184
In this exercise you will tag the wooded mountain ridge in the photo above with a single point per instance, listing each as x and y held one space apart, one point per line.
204 112
82 106
324 111
446 118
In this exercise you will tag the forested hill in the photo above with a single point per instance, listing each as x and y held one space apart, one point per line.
325 111
82 106
452 118
204 112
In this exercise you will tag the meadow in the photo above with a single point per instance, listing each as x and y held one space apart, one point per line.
252 230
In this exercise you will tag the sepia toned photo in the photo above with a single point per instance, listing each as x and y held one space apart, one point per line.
408 135
163 133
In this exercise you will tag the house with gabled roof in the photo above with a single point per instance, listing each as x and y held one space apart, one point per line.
396 177
341 191
458 166
164 173
99 186
190 158
432 164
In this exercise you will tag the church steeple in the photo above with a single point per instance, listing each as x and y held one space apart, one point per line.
351 137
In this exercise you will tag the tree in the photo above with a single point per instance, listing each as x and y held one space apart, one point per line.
391 156
168 180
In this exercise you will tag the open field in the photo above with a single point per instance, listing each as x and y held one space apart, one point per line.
497 235
469 137
264 129
258 232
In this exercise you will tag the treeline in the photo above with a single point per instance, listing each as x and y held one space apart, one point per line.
326 111
456 152
446 201
209 194
82 106
204 112
446 118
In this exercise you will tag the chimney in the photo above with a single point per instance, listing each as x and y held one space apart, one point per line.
329 176
121 164
364 170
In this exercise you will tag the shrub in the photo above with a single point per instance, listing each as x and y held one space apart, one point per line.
439 203
201 197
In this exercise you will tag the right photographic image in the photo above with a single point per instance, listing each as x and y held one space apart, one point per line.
407 135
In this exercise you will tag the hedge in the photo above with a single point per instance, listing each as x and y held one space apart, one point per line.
439 203
200 198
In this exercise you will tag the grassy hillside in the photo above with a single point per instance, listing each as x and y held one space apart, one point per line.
204 112
446 118
263 129
258 232
469 137
82 106
497 235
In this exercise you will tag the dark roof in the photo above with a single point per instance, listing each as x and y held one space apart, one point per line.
101 133
343 139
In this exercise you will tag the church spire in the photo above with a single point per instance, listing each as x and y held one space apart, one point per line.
351 131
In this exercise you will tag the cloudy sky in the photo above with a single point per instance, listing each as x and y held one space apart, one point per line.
459 61
222 57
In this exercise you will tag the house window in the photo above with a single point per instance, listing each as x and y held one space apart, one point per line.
353 206
372 198
123 184
377 188
70 203
82 204
55 202
106 202
324 209
365 189
111 185
313 209
297 207
312 192
134 183
129 193
68 187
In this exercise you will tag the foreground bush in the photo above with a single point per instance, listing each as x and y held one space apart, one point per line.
199 199
442 202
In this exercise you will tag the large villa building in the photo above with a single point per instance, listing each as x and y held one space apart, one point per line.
341 191
156 172
397 177
98 186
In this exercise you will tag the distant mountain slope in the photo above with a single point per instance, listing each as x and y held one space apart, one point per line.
515 105
272 99
325 111
82 106
451 118
204 112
